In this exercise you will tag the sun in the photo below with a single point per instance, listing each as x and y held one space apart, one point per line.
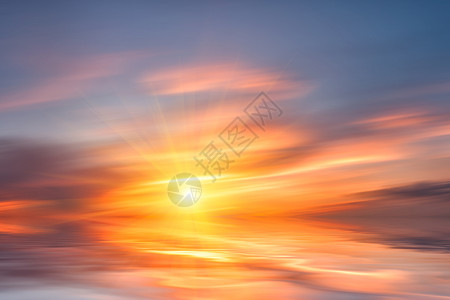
184 189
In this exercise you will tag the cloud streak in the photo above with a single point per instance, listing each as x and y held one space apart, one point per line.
224 77
67 78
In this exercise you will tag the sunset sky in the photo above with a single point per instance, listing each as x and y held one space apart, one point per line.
103 102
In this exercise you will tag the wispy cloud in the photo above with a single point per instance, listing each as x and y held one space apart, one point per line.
223 77
66 78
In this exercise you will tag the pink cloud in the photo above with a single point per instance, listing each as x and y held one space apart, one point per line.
223 77
69 78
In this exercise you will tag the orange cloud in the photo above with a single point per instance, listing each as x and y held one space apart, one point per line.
222 77
396 120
